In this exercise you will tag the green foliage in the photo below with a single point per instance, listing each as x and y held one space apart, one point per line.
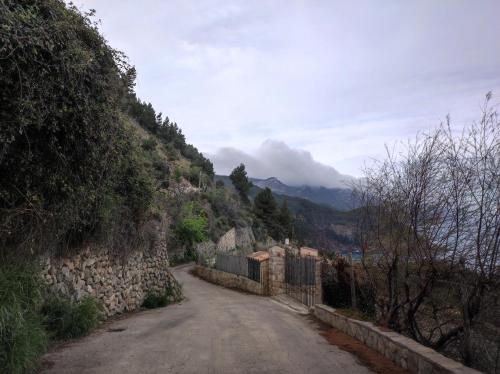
22 337
149 144
63 146
64 319
225 212
22 340
191 227
285 220
194 174
177 175
266 211
241 183
189 255
192 230
152 301
168 132
172 293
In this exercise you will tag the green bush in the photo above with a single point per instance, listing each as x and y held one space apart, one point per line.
177 175
152 301
191 230
63 142
22 337
149 144
172 293
64 319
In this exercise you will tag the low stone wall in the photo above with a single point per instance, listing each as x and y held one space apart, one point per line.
120 285
229 280
404 351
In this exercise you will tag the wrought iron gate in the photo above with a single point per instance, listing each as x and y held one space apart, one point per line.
300 278
254 269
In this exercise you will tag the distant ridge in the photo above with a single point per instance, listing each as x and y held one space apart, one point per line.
319 225
338 198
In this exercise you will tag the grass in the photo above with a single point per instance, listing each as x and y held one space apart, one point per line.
64 319
30 317
22 337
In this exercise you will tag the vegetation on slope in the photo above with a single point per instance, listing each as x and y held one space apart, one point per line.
316 225
67 164
82 160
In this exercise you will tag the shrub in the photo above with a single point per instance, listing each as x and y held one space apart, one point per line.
22 338
171 293
65 319
149 144
155 301
177 175
191 230
63 143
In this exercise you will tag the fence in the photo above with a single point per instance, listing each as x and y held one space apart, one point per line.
232 264
254 269
344 286
300 279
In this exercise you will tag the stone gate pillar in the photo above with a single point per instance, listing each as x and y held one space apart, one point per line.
318 299
276 271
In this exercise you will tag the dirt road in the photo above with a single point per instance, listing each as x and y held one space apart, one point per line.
214 330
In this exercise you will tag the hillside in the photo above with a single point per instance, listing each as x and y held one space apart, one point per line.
316 225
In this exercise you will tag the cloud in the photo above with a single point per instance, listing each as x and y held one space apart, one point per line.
339 79
274 158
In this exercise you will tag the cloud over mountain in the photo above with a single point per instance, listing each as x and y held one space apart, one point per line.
273 158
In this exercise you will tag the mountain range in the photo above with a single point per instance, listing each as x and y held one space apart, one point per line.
338 198
318 222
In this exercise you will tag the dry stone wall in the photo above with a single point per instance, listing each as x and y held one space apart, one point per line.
119 283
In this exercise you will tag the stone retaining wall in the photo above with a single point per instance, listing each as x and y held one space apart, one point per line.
120 284
229 280
404 351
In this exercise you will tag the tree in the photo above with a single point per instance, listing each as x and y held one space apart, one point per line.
285 220
430 232
241 183
266 210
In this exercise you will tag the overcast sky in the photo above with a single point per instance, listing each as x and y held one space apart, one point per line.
334 79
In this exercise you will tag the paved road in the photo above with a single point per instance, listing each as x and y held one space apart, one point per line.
214 330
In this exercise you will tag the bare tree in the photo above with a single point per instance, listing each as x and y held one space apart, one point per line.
429 228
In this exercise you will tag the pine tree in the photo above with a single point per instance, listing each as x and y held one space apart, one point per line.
266 210
241 183
285 219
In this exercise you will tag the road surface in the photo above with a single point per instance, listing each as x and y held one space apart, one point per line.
214 330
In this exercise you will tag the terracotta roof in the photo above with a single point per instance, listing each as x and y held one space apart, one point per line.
306 251
259 256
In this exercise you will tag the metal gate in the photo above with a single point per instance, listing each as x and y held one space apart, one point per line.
254 269
300 278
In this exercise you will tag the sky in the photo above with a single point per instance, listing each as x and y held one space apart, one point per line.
329 82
